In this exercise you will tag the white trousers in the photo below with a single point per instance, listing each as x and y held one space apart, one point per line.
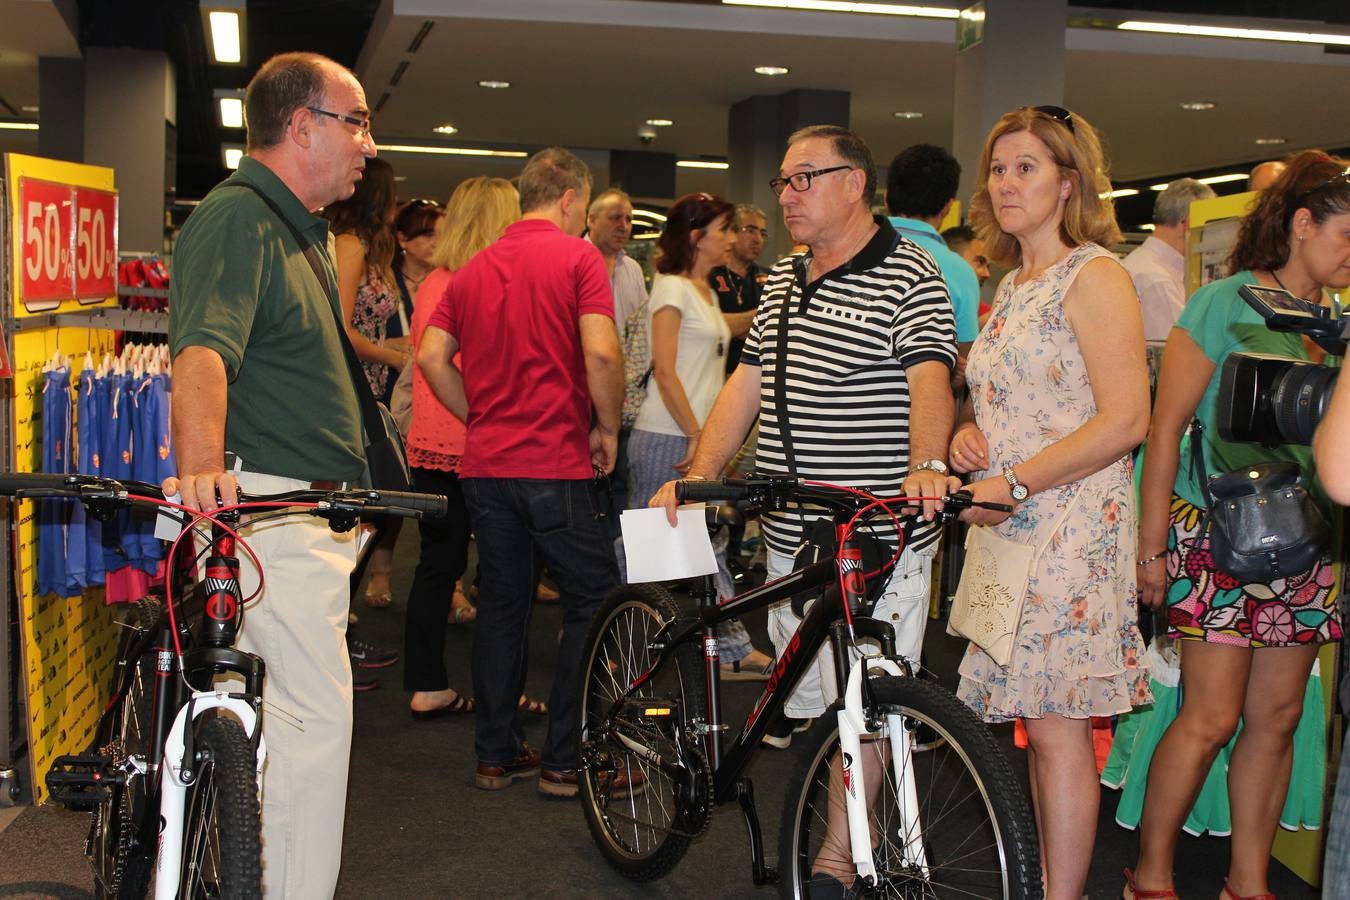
903 603
298 625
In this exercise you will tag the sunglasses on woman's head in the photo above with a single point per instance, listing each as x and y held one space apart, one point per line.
1058 113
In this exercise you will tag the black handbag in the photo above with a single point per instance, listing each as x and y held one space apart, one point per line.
386 459
1262 522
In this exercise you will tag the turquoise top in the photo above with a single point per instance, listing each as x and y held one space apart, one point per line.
1220 322
962 282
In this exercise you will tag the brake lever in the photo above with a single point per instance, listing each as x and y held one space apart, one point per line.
955 504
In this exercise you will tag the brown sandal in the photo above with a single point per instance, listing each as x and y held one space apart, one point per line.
533 707
1141 894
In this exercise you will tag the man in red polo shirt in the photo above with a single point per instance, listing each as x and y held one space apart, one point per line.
540 391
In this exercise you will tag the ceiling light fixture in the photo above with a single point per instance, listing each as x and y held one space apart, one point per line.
1119 192
843 6
29 109
231 154
1270 141
224 25
648 214
1198 105
1254 34
447 128
1212 179
771 70
494 85
449 151
1148 227
660 123
909 114
19 126
229 107
701 164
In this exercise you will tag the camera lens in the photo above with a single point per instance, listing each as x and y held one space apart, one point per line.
1300 398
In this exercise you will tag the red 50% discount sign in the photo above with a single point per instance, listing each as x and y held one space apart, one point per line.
45 219
95 244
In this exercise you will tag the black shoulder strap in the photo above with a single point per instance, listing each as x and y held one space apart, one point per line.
1198 470
780 405
370 413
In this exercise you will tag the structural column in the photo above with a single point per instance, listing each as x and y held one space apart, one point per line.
1019 62
757 132
129 116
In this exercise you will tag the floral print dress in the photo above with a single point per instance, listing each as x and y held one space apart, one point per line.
376 301
1078 651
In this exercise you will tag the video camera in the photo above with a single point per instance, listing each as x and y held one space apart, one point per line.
1273 400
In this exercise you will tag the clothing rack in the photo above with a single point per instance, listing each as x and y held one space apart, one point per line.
102 317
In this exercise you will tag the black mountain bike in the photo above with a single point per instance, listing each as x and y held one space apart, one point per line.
914 817
171 780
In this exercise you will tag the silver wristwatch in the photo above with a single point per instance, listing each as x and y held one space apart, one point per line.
1019 490
931 465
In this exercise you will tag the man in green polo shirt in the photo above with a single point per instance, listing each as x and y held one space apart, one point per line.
263 401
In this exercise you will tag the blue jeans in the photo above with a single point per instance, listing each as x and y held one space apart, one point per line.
518 521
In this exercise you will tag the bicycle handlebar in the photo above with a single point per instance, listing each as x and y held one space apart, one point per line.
774 491
92 488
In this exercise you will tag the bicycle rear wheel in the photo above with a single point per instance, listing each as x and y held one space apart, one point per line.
222 834
974 833
643 831
123 857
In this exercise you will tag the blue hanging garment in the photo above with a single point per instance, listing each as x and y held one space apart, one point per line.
53 515
88 429
115 417
152 458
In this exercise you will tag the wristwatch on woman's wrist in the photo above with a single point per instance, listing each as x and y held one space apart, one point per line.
1019 490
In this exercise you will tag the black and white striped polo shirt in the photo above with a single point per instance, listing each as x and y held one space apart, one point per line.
851 335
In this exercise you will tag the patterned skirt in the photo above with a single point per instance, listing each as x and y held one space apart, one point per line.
1204 603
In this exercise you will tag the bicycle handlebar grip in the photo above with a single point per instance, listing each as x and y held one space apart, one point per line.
14 482
709 491
432 506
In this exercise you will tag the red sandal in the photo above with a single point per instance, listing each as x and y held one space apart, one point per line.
1140 894
1230 895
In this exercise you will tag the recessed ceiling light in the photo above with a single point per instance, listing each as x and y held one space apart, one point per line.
1148 227
1269 141
232 112
1199 105
660 123
1256 34
847 6
19 126
909 114
494 85
701 164
1120 192
1220 179
447 128
448 151
29 109
231 154
771 70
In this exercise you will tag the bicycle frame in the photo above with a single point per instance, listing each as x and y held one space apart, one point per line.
823 621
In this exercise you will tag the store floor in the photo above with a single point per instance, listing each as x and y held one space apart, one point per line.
417 827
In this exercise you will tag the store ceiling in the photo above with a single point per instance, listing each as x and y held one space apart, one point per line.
586 73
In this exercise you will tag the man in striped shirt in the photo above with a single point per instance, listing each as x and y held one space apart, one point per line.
848 368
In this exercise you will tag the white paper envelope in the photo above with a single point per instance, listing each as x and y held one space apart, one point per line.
657 552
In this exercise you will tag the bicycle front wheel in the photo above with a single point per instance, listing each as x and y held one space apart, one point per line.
634 786
222 834
970 833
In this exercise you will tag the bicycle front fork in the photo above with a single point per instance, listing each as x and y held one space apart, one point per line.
853 724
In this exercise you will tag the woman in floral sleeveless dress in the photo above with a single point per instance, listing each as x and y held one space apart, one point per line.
363 230
1059 400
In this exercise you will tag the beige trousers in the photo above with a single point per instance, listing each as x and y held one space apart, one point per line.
298 625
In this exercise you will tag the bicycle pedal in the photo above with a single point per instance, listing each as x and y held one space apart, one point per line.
81 781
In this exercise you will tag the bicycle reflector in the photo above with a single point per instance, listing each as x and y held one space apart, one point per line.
648 708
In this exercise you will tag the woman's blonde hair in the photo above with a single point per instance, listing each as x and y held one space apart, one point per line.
477 213
1089 213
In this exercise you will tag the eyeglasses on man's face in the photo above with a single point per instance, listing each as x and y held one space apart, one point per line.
801 181
362 124
751 229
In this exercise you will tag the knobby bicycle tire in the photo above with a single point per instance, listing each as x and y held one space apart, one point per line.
121 846
222 834
977 831
645 832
